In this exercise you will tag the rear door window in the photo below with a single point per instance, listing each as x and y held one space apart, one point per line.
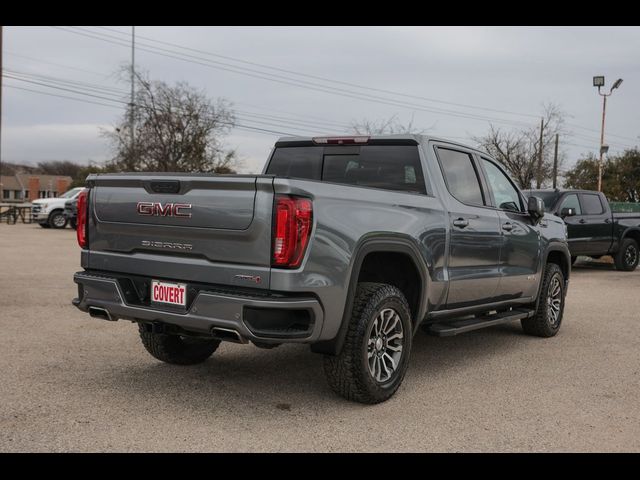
461 176
591 204
389 167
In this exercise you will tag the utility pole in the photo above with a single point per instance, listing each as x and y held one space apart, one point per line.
539 176
133 90
555 163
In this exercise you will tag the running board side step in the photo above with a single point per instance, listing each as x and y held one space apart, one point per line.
457 327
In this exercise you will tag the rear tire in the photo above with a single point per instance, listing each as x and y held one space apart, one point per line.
627 257
57 219
375 355
176 349
548 316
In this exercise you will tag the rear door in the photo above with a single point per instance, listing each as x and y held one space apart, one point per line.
520 249
595 224
179 226
474 247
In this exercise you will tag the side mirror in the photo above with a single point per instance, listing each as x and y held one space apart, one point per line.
567 212
535 207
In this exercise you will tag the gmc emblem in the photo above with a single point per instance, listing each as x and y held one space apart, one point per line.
157 209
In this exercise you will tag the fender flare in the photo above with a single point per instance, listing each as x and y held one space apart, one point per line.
555 246
395 243
629 230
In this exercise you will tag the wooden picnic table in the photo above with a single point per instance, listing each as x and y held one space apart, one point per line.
11 212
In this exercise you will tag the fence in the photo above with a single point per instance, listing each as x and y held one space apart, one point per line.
625 207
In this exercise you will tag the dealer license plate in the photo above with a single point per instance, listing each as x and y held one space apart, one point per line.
169 293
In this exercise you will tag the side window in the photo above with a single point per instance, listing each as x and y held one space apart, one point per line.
506 195
461 176
591 204
571 201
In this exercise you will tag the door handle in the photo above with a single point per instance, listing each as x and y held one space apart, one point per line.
460 223
582 220
507 226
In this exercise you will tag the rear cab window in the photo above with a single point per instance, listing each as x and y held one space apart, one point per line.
388 167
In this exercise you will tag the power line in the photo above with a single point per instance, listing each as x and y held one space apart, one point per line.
62 96
298 83
325 79
46 62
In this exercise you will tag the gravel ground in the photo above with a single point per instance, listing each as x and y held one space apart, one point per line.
72 383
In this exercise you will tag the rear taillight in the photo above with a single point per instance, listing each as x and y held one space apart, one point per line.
83 207
291 231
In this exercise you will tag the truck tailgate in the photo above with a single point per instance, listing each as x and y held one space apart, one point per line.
192 227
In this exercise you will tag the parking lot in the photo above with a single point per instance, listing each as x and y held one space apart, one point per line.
72 383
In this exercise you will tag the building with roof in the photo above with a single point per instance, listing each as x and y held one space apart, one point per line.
26 187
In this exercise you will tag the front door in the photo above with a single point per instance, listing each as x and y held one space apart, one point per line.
520 249
475 235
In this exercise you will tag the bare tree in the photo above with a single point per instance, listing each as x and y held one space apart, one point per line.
177 129
387 126
518 150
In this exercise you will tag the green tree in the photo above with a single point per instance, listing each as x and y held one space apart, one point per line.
620 176
177 129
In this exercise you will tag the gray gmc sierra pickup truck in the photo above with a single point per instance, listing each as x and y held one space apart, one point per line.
348 244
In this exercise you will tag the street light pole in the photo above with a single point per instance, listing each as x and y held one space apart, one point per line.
598 81
604 112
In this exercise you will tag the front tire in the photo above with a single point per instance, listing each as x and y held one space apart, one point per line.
627 257
176 349
548 316
375 355
57 219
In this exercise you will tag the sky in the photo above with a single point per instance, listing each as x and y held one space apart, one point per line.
452 82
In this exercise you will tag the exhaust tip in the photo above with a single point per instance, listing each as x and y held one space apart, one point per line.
227 334
101 313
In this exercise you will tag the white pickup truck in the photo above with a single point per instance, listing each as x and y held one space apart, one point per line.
49 212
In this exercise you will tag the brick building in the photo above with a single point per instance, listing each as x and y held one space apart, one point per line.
25 187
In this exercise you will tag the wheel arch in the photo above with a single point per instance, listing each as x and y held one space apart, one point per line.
631 232
381 245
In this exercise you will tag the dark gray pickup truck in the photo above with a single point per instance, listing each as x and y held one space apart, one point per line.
348 244
594 230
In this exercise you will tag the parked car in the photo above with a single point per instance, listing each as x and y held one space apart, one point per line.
593 229
347 244
71 212
49 212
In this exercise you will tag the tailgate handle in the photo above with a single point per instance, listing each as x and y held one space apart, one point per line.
165 186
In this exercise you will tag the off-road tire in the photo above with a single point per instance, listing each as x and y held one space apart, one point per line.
542 324
348 372
628 255
176 349
54 219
